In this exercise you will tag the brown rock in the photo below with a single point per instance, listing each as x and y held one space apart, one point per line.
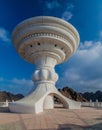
70 93
9 96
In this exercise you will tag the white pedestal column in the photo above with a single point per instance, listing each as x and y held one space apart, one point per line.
44 41
49 102
46 74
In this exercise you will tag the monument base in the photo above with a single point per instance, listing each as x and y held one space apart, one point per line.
40 99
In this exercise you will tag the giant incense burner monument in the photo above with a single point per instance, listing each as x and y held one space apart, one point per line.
44 41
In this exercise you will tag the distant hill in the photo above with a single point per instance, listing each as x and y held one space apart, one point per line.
66 91
9 96
70 93
93 96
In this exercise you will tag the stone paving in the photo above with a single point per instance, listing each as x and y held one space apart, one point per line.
56 119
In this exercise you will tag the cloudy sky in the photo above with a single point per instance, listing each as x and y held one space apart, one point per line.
82 72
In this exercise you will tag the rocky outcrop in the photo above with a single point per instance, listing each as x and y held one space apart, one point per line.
93 96
66 91
70 93
9 96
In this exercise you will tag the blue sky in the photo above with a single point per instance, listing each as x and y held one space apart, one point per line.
82 72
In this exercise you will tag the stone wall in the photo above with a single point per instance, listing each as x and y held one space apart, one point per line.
91 104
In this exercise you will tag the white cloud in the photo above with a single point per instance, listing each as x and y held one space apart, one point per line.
86 45
89 52
64 9
15 85
67 15
73 76
85 70
4 35
52 4
22 81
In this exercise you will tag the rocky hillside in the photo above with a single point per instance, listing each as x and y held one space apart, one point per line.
9 96
66 91
70 93
93 96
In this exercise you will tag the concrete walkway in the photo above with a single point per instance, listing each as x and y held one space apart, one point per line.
57 119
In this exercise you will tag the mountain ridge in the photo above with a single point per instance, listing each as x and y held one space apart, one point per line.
72 94
9 96
66 91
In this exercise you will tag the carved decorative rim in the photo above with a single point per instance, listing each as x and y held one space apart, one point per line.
49 29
